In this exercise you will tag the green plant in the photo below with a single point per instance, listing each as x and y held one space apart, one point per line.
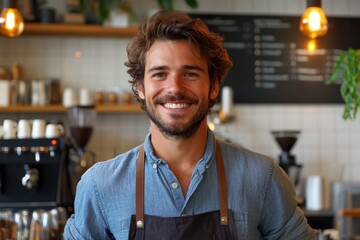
170 4
348 64
101 8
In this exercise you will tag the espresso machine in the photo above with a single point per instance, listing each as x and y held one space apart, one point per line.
33 173
286 139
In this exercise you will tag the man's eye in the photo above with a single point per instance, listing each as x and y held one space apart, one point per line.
191 74
159 75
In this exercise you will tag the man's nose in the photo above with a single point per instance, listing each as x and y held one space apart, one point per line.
175 82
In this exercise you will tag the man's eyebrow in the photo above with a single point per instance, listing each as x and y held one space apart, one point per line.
157 68
193 67
186 67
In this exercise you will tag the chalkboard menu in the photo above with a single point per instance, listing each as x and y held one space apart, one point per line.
275 63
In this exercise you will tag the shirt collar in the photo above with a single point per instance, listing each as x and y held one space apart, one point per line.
205 162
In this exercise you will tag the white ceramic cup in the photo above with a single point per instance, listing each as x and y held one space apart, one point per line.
86 97
54 130
9 129
38 128
24 129
315 193
70 97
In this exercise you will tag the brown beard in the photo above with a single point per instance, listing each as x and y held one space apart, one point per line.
172 130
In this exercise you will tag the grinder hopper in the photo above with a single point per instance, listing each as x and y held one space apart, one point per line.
82 121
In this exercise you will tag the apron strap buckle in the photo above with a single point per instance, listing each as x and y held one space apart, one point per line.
139 224
224 220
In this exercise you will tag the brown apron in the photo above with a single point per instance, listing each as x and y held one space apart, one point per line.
210 225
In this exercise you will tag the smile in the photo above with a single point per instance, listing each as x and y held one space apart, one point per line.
176 105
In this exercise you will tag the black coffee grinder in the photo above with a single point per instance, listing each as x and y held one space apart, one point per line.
82 121
286 139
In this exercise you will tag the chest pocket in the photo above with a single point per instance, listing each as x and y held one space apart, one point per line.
242 224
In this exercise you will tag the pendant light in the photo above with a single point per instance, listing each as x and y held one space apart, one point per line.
11 22
313 22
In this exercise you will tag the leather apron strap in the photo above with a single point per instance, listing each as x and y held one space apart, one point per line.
224 215
139 197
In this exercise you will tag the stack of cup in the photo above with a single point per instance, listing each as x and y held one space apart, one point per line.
9 129
86 97
24 129
54 130
70 97
38 128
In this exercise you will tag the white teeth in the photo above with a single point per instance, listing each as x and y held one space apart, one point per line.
176 105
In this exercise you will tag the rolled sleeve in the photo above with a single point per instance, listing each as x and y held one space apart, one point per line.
70 231
283 219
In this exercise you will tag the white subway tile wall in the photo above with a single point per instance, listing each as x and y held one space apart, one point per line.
327 145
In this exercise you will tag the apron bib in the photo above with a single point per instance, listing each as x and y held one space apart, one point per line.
218 224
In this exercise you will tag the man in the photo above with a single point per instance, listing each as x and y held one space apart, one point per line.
183 183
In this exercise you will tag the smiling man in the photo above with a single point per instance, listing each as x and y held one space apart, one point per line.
177 88
183 182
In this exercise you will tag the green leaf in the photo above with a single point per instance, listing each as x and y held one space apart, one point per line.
192 3
349 64
166 4
170 4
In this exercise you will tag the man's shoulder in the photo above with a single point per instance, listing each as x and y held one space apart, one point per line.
246 161
242 152
120 164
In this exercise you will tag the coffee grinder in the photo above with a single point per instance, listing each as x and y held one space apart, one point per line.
286 139
82 120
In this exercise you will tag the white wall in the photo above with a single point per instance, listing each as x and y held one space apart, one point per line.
327 145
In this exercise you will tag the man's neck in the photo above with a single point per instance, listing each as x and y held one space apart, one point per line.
180 151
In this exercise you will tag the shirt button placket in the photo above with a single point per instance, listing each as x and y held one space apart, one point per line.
175 185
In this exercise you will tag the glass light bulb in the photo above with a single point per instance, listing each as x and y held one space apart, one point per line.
313 22
12 23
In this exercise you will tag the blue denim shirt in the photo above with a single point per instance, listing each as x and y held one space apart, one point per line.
259 193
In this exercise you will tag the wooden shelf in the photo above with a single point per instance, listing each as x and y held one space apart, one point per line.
349 212
121 108
58 29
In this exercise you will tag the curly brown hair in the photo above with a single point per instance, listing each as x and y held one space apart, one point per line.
176 25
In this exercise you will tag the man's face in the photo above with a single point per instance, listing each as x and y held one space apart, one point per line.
176 88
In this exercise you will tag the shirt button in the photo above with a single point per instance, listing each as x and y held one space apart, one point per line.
154 166
174 185
207 166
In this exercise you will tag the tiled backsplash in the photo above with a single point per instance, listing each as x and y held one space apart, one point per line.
327 145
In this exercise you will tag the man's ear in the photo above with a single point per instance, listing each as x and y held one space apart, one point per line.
215 90
140 90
